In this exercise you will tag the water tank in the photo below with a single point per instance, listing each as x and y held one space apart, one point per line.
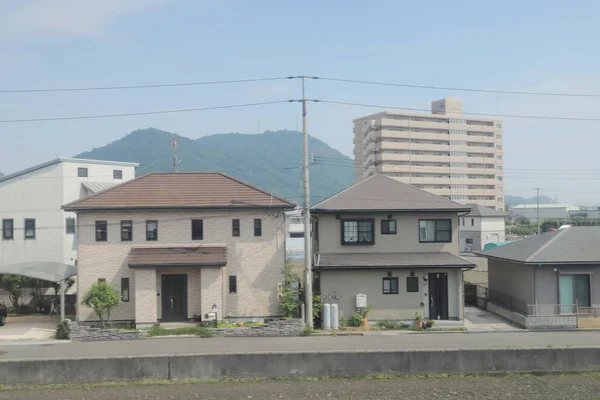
326 316
335 317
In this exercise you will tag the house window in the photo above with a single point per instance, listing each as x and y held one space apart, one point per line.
258 227
470 241
126 231
232 284
390 285
296 234
29 228
8 229
412 284
70 225
124 289
152 230
463 221
197 229
101 231
388 226
101 280
472 221
358 231
235 227
117 174
82 172
435 230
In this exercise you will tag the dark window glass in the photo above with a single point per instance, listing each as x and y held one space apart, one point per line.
117 174
101 231
82 172
390 285
151 230
101 280
235 227
70 223
29 228
358 231
472 221
124 289
388 226
470 241
435 230
8 229
232 284
296 234
412 284
258 227
126 231
197 229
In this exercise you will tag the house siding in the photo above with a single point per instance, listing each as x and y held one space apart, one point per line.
512 279
546 282
257 262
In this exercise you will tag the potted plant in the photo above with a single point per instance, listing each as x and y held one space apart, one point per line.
429 323
419 320
364 311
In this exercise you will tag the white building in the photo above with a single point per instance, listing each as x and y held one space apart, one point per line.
530 211
294 235
449 154
34 227
479 227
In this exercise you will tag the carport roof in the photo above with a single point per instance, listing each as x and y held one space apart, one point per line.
45 270
390 260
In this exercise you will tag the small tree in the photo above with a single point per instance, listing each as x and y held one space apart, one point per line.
290 293
56 286
14 284
102 298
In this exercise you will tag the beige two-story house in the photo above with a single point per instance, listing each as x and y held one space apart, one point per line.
393 243
178 245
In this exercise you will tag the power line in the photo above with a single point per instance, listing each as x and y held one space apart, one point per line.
160 85
433 87
184 110
408 109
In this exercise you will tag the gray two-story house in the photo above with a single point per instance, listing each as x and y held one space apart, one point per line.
393 243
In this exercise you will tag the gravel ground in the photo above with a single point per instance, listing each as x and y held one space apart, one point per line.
549 387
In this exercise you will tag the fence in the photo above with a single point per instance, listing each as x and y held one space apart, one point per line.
508 302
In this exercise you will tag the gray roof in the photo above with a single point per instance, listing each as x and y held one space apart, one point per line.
96 187
382 193
390 260
45 270
483 211
65 159
575 245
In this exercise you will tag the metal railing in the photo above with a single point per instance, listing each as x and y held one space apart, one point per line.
506 301
551 310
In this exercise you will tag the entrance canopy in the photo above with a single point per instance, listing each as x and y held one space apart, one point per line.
48 271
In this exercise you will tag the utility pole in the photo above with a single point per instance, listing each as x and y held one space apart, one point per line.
174 144
307 226
538 209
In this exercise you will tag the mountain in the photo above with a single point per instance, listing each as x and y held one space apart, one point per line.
515 200
270 160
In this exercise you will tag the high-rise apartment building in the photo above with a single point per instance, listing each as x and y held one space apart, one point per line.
446 153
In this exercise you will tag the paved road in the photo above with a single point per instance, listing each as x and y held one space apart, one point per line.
572 387
413 341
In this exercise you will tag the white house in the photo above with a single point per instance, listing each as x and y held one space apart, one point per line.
34 227
482 225
530 211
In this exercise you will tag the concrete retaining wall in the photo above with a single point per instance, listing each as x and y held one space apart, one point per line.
311 364
292 327
535 322
82 333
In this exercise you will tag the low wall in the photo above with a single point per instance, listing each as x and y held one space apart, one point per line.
535 322
308 364
292 327
83 333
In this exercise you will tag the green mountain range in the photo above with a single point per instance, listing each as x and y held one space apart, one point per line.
270 160
515 200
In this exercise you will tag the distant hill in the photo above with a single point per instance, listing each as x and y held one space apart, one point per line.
515 200
270 160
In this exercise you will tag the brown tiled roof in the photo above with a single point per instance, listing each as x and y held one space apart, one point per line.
177 256
391 260
181 190
382 193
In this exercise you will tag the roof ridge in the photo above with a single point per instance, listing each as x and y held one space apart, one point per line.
424 191
263 191
548 243
346 189
107 190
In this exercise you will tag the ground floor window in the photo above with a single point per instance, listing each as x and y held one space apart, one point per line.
574 289
125 289
412 284
390 285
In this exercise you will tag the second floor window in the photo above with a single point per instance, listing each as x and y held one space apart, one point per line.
388 226
101 231
117 174
235 227
82 172
8 229
435 230
258 227
358 231
151 230
70 224
29 228
197 229
126 231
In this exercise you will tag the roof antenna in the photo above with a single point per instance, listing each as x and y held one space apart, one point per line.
174 144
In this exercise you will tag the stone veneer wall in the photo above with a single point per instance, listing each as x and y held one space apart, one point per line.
292 327
86 333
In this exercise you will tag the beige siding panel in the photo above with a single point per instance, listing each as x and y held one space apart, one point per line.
145 296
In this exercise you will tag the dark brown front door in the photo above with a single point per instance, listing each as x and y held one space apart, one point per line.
174 297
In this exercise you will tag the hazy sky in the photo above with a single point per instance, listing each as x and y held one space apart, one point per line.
549 46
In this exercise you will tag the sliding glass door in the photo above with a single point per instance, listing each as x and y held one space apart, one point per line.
573 289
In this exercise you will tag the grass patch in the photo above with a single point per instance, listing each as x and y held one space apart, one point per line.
200 331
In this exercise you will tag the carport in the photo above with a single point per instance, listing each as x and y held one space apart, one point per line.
47 271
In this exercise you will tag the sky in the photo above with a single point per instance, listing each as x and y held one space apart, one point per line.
536 46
